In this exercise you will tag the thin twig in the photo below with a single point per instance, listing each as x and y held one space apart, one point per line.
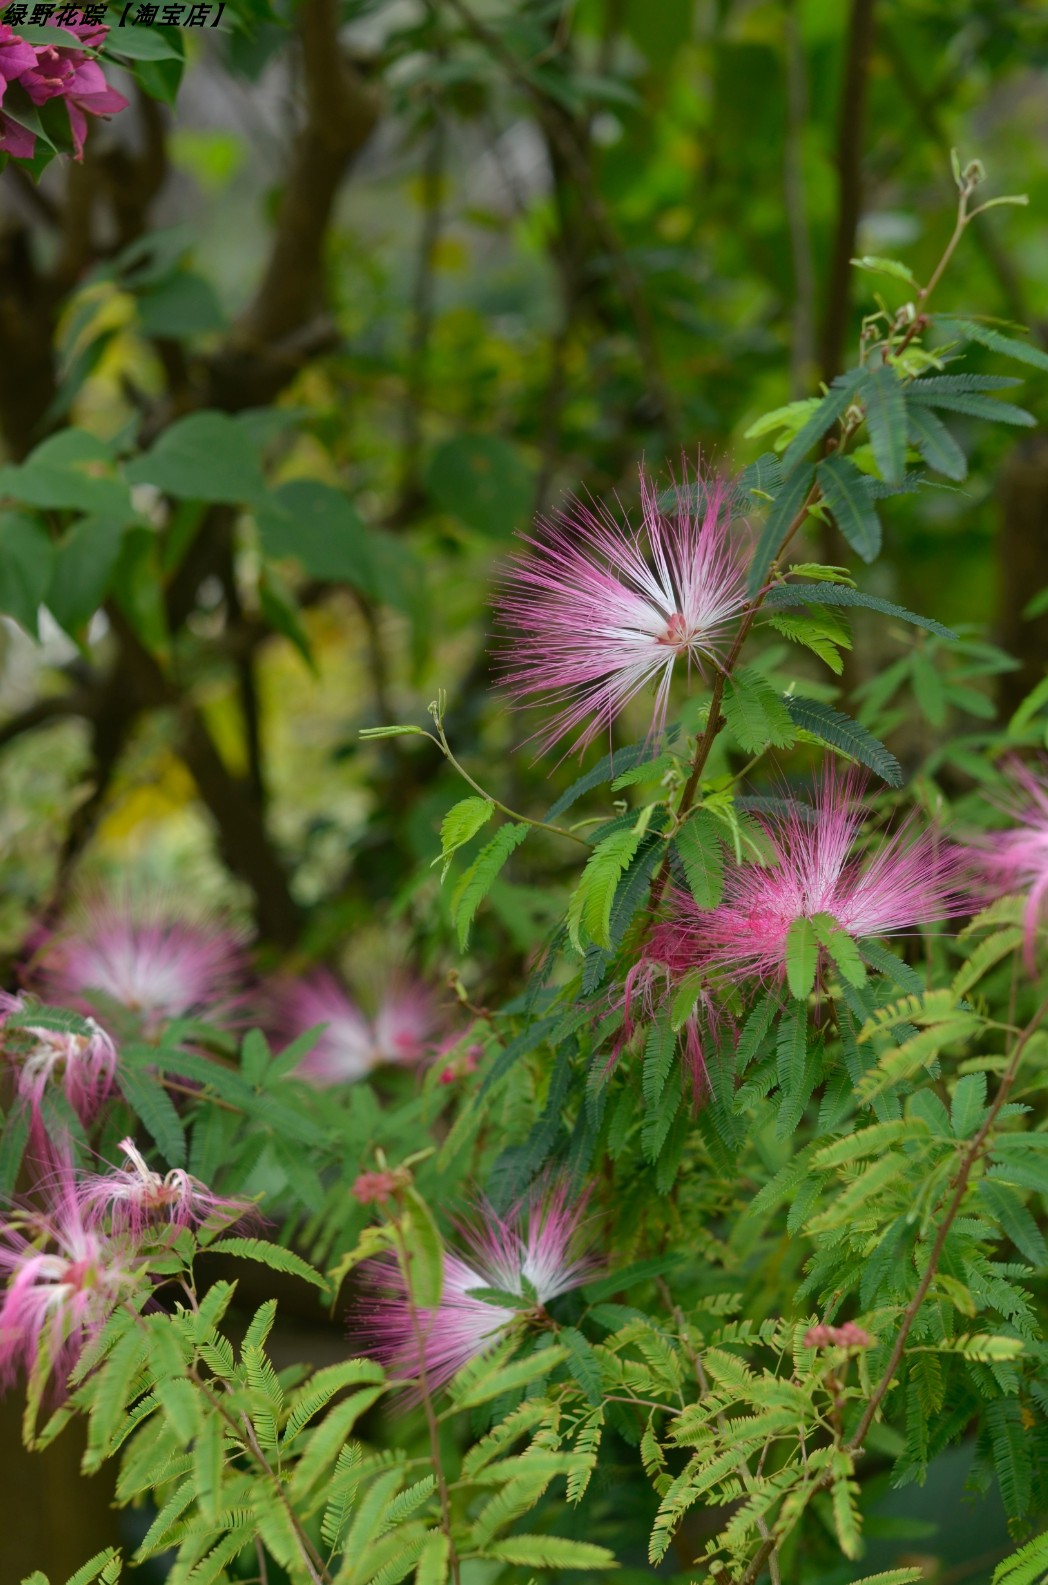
968 1161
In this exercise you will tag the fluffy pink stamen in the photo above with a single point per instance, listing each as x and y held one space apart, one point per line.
597 613
907 880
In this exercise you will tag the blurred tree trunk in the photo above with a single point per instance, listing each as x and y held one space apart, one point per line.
56 1519
1022 556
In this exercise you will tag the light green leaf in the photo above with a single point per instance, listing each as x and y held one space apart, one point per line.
755 712
699 846
425 1252
461 823
549 1551
507 1378
589 910
841 947
881 266
802 956
269 1255
478 880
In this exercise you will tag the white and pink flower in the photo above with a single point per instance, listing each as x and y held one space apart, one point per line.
65 1278
352 1045
136 1200
538 1251
817 868
597 612
80 1057
146 960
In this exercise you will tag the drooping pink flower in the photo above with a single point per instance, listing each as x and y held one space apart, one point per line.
457 1056
850 1335
56 71
145 959
538 1251
64 1280
598 612
647 992
353 1044
135 1199
16 57
1017 859
906 880
81 1059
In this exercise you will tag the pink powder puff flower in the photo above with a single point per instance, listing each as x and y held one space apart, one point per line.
83 1061
1017 859
135 1199
352 1044
538 1251
599 612
64 1280
156 966
908 880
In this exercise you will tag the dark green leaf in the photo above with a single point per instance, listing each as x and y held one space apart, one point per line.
152 1104
482 480
26 562
786 506
843 733
582 1361
842 485
885 404
786 594
605 770
84 563
1007 346
934 442
832 407
205 457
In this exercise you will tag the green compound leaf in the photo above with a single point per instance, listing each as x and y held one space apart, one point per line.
787 594
842 948
787 503
832 407
1007 346
934 442
589 911
481 876
461 823
269 1255
885 404
844 487
699 847
755 713
802 957
841 732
